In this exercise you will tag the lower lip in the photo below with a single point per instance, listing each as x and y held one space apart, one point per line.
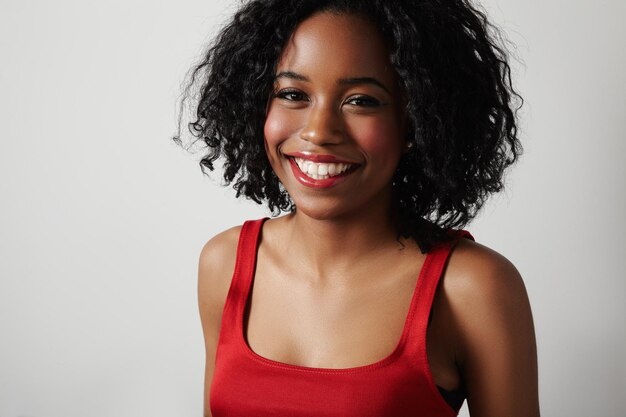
312 182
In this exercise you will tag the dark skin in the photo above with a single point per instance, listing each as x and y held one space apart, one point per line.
340 298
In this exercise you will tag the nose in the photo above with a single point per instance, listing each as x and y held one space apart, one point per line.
323 125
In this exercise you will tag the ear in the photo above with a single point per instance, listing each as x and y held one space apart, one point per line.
404 131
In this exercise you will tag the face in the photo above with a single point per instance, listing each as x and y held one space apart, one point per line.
334 129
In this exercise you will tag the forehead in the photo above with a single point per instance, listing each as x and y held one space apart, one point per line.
337 45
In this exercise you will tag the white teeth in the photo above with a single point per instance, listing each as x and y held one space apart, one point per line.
320 171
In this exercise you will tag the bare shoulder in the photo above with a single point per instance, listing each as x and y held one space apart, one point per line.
215 269
220 251
481 286
495 346
477 272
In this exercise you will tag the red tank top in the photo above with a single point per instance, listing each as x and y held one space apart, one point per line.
246 384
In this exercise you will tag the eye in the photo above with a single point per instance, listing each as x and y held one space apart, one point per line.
363 101
290 95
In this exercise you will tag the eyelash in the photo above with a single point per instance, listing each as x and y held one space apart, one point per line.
366 101
283 94
369 101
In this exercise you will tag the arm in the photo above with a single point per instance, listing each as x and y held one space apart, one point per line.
496 348
215 269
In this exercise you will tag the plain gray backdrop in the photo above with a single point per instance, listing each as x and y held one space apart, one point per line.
102 218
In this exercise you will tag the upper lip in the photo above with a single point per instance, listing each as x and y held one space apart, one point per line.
323 158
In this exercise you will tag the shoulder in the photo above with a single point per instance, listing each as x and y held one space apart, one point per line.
486 296
493 331
477 272
219 250
215 269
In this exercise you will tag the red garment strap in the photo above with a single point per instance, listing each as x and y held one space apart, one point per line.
245 263
430 277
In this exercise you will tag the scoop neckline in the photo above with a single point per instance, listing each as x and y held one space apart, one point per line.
387 360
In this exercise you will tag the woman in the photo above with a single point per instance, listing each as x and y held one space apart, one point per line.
380 127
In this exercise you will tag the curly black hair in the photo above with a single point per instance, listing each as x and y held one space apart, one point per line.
460 103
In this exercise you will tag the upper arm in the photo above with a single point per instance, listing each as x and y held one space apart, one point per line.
496 345
215 269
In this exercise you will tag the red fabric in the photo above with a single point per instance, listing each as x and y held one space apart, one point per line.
248 385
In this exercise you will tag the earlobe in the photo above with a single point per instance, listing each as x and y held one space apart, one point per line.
408 146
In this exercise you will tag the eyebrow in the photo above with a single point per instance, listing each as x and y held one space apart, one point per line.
292 75
342 81
363 80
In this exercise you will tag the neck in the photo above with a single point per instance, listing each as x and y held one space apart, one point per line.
328 248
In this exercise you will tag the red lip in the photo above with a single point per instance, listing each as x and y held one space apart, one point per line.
320 158
313 183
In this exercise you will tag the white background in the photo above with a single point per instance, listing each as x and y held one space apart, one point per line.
102 218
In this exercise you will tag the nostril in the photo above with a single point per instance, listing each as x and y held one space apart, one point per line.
322 126
321 136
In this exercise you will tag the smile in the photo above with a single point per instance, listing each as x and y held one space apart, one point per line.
318 174
321 170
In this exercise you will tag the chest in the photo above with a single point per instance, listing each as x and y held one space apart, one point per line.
290 320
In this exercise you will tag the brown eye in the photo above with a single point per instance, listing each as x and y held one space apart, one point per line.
363 101
290 95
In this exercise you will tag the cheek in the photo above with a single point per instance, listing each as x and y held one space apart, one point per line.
272 132
278 127
379 138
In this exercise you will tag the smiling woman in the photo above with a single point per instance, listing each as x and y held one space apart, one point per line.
349 113
381 127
